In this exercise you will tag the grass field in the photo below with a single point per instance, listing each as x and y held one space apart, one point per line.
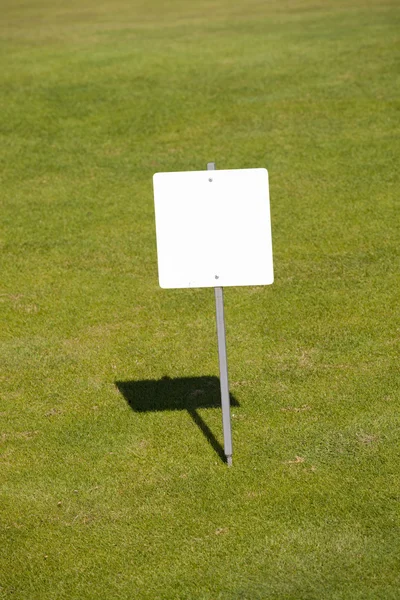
112 483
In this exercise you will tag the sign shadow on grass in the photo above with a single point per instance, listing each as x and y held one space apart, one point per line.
181 393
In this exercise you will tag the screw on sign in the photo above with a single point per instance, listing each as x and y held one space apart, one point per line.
214 236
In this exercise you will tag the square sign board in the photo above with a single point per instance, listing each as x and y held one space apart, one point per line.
213 228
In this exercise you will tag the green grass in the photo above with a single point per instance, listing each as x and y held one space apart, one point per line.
102 501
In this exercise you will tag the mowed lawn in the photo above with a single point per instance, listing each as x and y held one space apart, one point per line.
112 483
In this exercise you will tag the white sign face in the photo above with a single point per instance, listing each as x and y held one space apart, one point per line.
213 228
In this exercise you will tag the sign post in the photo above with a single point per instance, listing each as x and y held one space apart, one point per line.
214 230
223 366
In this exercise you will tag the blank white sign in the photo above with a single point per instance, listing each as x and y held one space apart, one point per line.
213 228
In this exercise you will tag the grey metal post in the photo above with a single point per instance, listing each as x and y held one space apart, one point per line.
223 366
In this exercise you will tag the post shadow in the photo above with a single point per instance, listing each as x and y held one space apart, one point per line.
181 393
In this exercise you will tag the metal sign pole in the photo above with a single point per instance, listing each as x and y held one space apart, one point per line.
223 366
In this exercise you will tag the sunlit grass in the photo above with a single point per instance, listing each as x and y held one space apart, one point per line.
99 500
